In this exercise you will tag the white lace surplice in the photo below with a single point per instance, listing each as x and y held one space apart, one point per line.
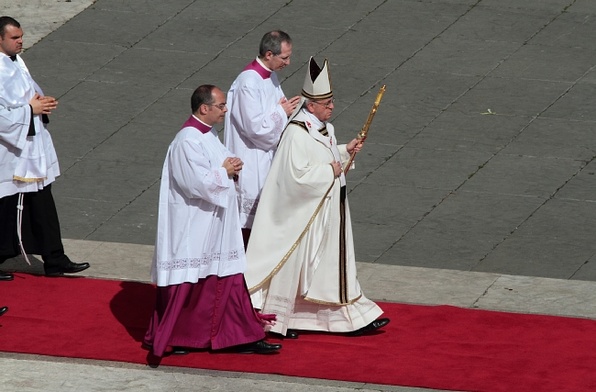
198 232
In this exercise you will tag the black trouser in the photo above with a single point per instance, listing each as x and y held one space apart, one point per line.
40 229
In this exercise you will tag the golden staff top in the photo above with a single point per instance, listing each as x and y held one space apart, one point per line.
364 131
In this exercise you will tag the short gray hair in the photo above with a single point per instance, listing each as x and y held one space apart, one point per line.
272 41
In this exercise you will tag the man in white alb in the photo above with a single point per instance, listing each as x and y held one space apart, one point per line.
258 113
28 163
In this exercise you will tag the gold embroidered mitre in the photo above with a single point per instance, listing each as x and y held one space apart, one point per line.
317 84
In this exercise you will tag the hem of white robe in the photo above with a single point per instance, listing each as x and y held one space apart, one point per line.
310 316
12 187
167 278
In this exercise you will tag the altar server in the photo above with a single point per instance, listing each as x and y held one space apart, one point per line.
28 163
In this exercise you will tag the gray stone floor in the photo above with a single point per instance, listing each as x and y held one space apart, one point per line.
476 186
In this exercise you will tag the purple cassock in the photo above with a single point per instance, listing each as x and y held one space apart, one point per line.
214 313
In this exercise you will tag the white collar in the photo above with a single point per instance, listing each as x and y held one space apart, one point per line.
263 65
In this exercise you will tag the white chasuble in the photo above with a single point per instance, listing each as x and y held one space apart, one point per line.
253 125
297 266
198 230
27 163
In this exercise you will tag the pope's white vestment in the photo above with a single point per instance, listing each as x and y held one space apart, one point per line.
253 124
301 263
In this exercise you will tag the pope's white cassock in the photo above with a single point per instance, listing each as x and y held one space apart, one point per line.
253 125
301 263
199 256
28 160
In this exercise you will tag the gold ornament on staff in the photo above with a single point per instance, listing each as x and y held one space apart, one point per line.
364 131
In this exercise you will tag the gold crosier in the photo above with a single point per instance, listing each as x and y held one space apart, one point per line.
364 131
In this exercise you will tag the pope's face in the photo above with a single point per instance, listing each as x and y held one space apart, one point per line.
11 42
322 109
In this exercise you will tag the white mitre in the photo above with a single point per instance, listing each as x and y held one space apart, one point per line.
317 84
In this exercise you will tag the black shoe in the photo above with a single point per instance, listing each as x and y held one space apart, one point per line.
5 276
3 310
378 323
260 347
71 268
290 334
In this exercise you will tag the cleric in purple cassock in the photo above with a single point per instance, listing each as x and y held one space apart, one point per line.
202 300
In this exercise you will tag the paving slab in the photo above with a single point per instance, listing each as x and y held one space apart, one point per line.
39 374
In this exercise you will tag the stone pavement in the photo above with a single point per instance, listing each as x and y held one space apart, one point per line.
476 186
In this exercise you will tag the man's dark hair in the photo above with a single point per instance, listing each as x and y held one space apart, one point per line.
272 41
203 95
7 21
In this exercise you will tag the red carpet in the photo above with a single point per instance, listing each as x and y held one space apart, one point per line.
441 347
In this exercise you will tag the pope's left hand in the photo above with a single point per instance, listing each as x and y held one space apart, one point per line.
354 146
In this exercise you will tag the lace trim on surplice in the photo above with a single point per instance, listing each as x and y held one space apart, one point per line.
249 206
196 262
279 122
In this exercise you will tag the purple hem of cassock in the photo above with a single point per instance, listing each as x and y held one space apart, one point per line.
213 313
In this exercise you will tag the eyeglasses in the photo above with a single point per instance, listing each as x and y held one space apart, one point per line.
327 104
220 106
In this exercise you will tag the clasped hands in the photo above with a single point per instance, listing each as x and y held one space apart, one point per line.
43 104
233 165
